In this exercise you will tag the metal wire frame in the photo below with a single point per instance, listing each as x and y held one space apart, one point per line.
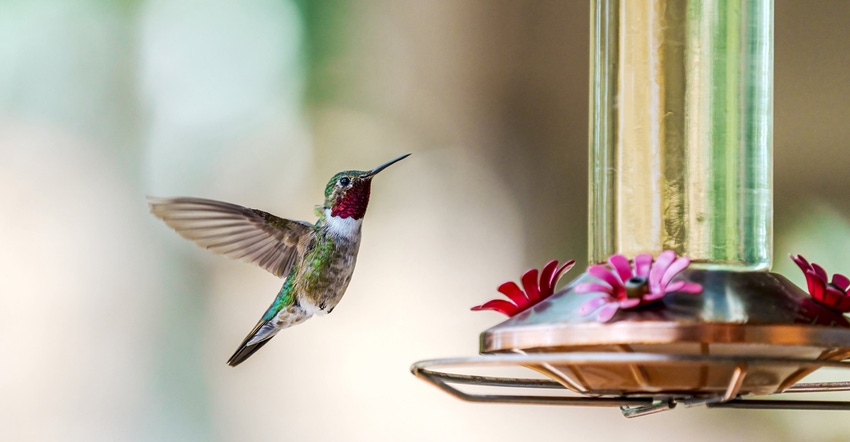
632 405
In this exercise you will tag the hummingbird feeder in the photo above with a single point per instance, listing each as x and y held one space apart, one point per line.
678 305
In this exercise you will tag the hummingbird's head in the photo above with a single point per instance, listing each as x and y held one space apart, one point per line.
347 193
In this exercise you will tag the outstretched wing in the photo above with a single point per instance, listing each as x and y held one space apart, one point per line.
237 232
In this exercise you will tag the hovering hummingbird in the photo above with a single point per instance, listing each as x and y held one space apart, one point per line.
317 260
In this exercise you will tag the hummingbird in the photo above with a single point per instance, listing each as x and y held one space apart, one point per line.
316 260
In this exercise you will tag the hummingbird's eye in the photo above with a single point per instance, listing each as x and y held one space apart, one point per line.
344 181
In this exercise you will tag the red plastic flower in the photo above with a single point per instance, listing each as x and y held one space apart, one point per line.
625 287
831 294
534 291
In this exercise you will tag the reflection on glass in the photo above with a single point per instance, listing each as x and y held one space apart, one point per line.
681 130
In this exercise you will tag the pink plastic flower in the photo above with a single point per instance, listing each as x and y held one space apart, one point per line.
534 291
625 287
831 294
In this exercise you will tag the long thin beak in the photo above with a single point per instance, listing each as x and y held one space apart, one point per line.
374 171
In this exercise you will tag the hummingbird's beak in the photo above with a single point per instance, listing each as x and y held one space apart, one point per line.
375 171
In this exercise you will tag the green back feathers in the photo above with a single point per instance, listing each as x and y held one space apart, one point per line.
285 297
319 258
315 266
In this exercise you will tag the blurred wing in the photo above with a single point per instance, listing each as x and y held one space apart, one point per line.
237 232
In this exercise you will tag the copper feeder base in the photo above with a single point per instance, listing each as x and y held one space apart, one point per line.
748 333
698 377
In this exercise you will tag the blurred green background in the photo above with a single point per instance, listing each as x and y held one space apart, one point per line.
114 328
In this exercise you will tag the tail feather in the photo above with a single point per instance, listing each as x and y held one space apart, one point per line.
266 329
245 349
244 352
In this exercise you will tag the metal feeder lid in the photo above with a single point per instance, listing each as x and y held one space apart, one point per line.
734 307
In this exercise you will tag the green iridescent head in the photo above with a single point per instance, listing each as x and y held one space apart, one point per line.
347 193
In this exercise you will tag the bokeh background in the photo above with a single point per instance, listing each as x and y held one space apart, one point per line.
114 328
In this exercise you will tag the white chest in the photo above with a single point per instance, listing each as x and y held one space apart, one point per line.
343 227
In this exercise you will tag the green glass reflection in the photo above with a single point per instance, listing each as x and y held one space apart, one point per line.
681 130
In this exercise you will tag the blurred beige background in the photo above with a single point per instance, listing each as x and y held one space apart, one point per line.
114 328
